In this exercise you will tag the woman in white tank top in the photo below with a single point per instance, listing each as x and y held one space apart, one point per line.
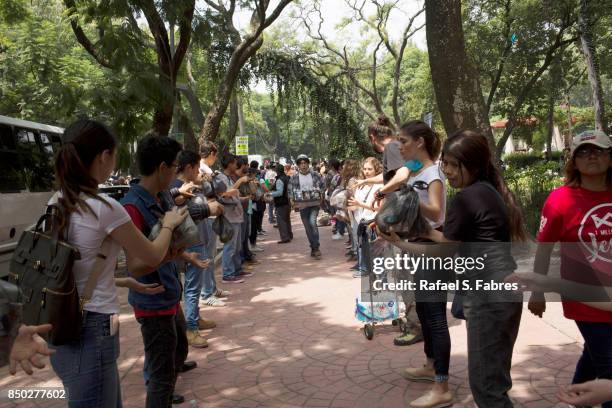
421 146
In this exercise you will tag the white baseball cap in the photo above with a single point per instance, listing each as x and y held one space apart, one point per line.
594 137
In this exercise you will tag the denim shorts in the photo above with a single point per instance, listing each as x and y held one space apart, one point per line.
88 367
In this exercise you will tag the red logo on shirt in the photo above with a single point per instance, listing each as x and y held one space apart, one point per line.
595 233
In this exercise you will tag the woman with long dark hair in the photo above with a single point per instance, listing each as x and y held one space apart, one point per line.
481 222
88 367
577 214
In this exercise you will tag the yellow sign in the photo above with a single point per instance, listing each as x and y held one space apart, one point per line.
242 145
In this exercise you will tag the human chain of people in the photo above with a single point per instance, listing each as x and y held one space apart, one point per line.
259 204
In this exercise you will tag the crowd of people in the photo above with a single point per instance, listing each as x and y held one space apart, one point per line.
230 205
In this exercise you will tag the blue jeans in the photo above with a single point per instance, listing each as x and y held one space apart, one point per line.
88 367
231 260
309 219
340 227
271 216
193 286
209 285
245 230
596 359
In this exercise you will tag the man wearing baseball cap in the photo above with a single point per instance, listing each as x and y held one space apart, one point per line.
305 193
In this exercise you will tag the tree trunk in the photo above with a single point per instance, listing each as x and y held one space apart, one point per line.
550 123
456 85
232 127
592 63
184 126
162 118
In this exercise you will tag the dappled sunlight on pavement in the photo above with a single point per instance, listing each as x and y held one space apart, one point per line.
288 338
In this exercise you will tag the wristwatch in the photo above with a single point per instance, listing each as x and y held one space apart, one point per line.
379 195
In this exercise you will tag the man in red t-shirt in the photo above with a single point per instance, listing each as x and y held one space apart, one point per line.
579 215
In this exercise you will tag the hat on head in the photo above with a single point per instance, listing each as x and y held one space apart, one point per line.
594 137
302 157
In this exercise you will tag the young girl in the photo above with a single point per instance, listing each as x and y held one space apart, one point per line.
420 147
578 215
361 205
88 367
351 172
481 221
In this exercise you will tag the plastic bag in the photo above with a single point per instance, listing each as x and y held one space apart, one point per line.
223 228
402 213
184 236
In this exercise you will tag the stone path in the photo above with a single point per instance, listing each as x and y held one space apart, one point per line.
288 338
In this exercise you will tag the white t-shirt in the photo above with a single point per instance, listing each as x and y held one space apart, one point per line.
365 194
86 232
204 168
270 175
429 175
306 182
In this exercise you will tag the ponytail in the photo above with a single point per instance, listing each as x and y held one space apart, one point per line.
418 128
515 214
382 128
83 140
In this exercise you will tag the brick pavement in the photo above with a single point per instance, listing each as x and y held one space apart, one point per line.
288 338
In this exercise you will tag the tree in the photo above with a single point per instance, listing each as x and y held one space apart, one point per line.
456 82
243 49
514 44
377 68
588 48
121 41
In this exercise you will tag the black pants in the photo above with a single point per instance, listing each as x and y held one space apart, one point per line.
436 339
283 220
166 348
256 224
492 328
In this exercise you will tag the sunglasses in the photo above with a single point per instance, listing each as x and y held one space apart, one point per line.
587 151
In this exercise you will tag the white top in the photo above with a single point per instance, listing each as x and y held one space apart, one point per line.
306 182
365 194
86 232
429 175
204 168
270 174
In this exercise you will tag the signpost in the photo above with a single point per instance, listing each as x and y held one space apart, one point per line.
242 145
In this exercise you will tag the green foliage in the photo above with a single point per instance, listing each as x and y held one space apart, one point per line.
522 160
47 77
531 186
301 93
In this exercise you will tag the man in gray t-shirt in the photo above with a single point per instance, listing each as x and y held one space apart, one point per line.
233 212
392 160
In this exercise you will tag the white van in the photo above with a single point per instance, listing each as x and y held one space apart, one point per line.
26 178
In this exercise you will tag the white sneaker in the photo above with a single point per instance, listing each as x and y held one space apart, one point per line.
212 301
336 237
255 248
220 293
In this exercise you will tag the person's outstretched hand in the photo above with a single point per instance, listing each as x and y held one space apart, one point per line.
27 347
586 394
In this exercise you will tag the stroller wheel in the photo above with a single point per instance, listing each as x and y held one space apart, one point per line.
368 331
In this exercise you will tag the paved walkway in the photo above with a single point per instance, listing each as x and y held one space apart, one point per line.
288 338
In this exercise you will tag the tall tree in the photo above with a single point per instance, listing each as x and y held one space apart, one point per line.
456 82
588 48
514 44
244 47
374 69
117 27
